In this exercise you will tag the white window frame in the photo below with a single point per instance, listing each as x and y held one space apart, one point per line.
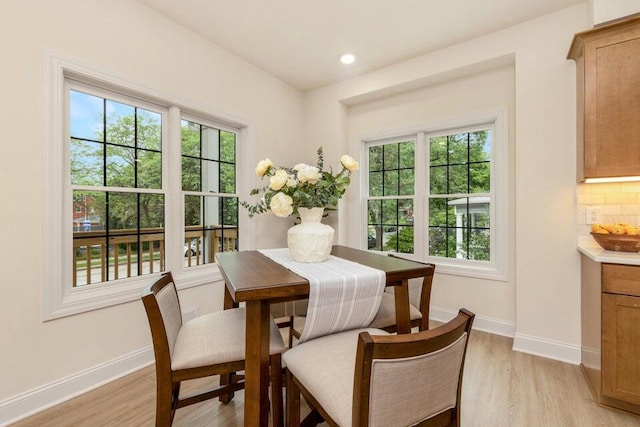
498 267
59 297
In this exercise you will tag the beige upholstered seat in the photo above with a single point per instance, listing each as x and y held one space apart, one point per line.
368 377
213 344
419 299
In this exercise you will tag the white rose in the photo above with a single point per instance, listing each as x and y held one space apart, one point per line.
310 174
349 163
263 167
300 166
278 180
292 182
281 205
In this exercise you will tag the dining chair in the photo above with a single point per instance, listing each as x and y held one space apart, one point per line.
212 344
285 313
372 378
419 301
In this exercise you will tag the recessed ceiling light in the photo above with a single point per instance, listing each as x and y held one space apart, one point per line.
348 58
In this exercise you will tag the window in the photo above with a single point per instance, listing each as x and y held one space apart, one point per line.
136 183
391 203
116 179
208 184
441 196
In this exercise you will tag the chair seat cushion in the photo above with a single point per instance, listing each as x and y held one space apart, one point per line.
326 366
386 315
216 338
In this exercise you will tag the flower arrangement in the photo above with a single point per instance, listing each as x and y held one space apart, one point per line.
302 186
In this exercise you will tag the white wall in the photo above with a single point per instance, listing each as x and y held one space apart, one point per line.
546 304
128 40
607 10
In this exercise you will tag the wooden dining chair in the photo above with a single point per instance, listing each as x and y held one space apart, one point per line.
419 301
285 313
213 344
371 378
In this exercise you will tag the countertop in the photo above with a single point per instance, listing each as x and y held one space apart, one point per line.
590 248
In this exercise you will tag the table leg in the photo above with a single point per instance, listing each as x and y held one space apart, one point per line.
403 320
256 400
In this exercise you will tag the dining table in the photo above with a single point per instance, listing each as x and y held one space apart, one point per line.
257 281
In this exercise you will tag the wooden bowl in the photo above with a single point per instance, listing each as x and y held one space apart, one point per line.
618 242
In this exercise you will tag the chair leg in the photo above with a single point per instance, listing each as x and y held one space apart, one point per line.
293 402
224 380
164 403
291 331
276 390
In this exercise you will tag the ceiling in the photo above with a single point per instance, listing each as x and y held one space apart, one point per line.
300 41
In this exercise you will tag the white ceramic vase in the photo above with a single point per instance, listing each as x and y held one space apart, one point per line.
311 240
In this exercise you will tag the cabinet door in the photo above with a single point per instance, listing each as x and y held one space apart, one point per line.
621 347
612 104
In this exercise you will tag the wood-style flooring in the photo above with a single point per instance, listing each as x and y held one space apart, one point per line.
501 388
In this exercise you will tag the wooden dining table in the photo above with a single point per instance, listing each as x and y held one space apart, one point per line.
256 280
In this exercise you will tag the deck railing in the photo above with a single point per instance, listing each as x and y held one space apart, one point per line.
95 261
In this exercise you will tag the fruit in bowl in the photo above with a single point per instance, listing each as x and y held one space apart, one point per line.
620 237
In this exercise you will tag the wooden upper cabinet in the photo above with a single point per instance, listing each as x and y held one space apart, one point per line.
608 99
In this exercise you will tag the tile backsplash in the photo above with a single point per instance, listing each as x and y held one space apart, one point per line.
618 202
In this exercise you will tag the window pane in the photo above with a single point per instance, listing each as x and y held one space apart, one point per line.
86 116
123 211
390 212
480 177
227 178
438 241
192 210
190 139
375 183
405 211
86 162
88 210
458 149
405 240
479 246
208 159
375 158
120 166
227 146
210 176
407 182
391 159
120 124
390 183
149 130
151 210
457 179
438 151
149 166
374 208
438 179
210 227
210 143
480 145
407 155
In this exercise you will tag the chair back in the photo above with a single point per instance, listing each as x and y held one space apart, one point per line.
419 291
164 314
409 379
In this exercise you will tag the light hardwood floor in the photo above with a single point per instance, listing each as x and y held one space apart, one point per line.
501 388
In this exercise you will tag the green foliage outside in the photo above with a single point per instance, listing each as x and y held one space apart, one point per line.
459 165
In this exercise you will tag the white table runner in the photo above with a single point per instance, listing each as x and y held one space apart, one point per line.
343 294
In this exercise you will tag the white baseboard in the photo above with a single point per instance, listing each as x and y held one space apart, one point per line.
33 401
563 352
537 346
485 324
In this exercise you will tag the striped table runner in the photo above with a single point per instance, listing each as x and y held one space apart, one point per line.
343 294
